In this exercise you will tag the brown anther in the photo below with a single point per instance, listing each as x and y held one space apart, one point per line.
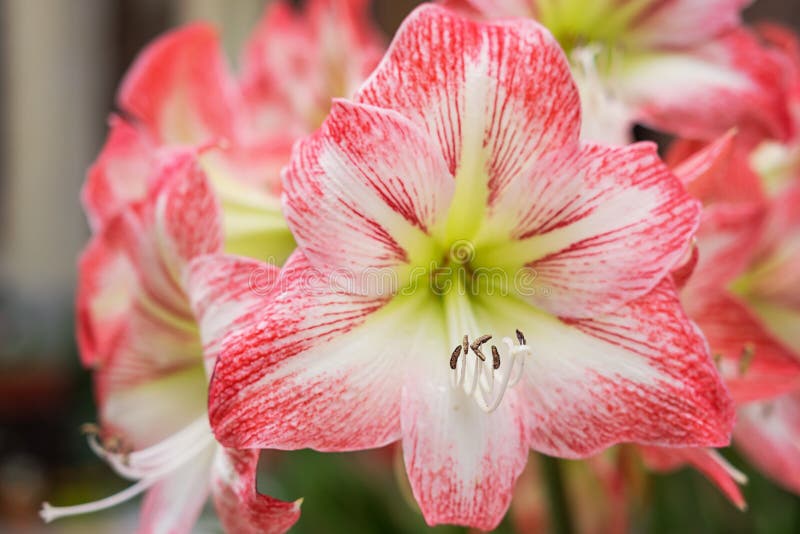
748 353
476 346
520 338
717 357
495 358
454 357
465 344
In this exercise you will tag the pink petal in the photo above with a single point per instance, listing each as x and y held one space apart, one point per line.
179 88
754 364
707 461
296 61
118 177
462 462
680 23
727 240
173 505
494 97
641 374
224 291
709 164
596 229
106 292
702 92
316 368
768 433
366 191
240 508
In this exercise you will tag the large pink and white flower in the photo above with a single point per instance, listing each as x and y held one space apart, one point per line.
138 332
684 66
453 200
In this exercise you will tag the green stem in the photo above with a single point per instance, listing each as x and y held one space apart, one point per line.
560 518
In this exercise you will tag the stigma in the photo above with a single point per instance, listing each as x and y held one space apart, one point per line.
486 378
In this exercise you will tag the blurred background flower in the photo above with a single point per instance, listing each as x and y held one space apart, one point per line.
60 63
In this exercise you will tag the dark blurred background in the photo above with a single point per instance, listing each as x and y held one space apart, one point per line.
60 62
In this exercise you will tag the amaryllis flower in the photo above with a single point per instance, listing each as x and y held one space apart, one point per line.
472 280
181 92
685 66
138 332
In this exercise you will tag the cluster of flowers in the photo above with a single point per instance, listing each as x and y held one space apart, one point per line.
490 136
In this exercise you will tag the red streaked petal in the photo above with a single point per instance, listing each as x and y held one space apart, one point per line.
240 508
754 364
173 505
703 92
317 368
494 96
597 229
366 191
179 88
296 61
682 23
708 461
186 215
224 290
106 292
119 176
641 374
462 462
768 433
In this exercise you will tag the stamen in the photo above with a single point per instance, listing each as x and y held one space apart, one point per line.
146 466
487 389
454 357
496 357
746 358
476 346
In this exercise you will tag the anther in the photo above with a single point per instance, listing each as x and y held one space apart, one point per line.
520 338
495 358
476 346
465 344
454 357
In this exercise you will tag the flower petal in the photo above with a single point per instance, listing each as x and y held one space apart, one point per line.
296 61
681 23
494 96
366 191
119 176
173 505
596 229
106 292
768 433
224 290
179 88
708 461
704 92
317 368
640 374
240 508
462 462
754 364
